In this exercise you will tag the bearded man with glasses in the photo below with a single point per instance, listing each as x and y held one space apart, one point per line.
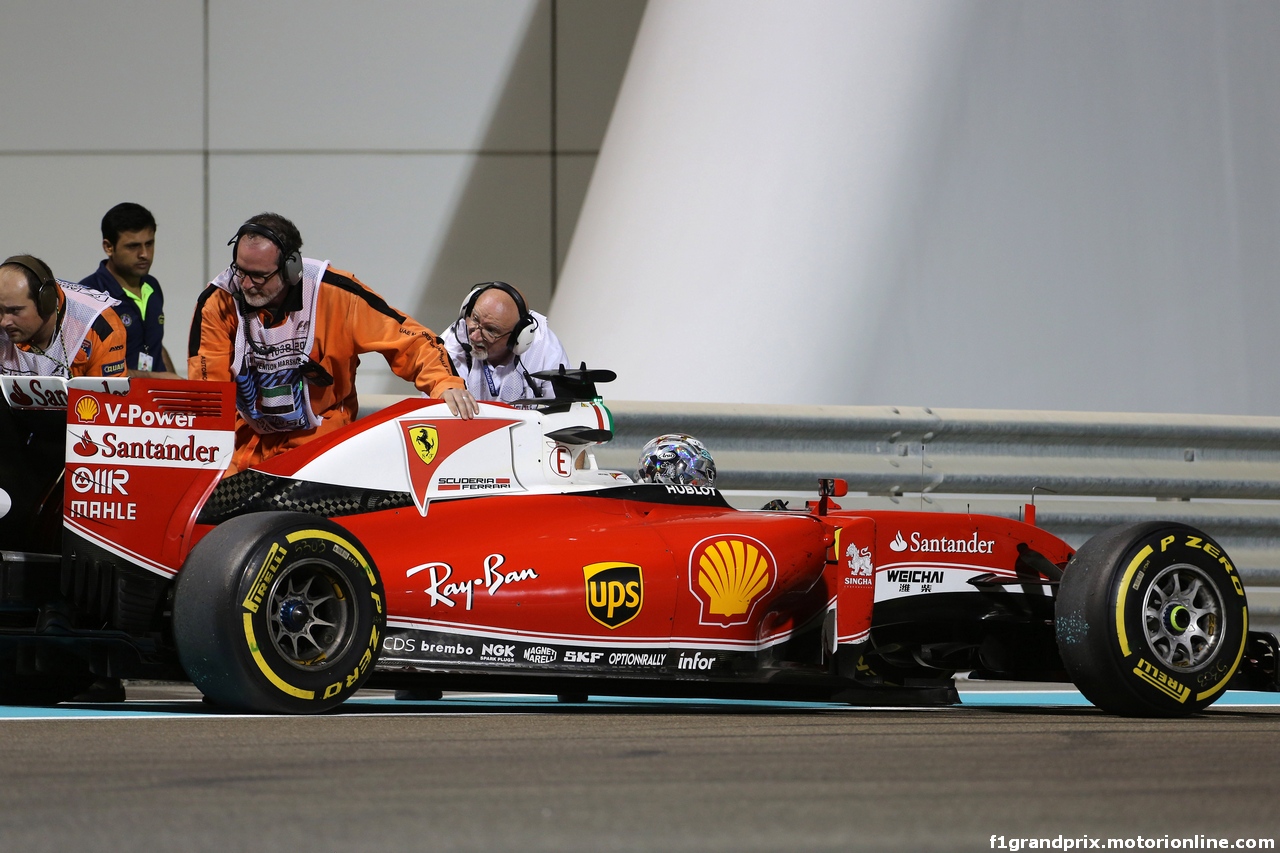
289 330
497 344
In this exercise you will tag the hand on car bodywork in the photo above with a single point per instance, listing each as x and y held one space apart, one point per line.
461 403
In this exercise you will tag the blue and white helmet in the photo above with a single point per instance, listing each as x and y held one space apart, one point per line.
679 460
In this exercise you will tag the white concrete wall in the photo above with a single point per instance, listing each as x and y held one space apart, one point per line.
979 203
412 141
968 203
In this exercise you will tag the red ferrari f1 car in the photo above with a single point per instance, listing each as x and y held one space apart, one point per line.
416 551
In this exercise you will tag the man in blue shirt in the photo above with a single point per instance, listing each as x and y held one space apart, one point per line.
129 239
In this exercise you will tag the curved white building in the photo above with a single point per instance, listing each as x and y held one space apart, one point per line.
977 204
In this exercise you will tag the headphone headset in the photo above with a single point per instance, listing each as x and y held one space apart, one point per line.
290 267
47 296
521 335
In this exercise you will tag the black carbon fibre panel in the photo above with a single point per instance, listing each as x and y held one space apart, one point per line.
657 493
253 491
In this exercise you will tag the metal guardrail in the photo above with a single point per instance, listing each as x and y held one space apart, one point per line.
1085 471
897 450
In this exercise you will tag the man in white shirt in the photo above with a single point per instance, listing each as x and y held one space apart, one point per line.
497 343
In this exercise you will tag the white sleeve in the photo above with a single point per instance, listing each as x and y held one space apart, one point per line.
546 352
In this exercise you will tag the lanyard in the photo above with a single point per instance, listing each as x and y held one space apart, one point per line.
60 338
488 380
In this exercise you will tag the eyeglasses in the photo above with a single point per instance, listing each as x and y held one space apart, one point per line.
488 333
257 279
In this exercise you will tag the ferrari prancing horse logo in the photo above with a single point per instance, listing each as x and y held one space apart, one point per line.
434 443
425 442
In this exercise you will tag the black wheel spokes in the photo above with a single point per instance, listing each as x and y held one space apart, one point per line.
308 617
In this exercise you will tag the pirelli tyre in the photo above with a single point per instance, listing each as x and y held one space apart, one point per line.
278 612
1151 620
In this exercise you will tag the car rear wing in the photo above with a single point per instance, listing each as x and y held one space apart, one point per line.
140 455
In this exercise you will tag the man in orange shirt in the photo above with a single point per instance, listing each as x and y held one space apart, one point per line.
55 328
289 330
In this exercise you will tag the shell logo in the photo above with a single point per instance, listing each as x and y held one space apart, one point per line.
87 410
729 575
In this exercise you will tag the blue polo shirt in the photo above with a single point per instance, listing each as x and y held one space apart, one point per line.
142 333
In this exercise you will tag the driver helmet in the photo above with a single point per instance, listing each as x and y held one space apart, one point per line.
677 459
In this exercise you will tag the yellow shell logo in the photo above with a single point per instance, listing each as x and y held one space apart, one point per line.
87 410
425 441
731 574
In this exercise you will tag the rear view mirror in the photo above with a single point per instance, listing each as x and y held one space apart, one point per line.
833 488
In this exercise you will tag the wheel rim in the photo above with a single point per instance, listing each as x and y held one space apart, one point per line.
312 606
1183 616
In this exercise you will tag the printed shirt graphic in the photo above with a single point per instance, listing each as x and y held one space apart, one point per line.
271 393
83 306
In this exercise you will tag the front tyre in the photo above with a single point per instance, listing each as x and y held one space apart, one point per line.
278 612
1151 620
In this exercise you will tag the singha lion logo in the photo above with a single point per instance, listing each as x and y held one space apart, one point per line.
859 561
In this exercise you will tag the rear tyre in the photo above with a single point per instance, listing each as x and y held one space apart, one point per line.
1151 620
278 612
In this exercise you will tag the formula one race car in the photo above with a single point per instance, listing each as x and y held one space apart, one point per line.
417 551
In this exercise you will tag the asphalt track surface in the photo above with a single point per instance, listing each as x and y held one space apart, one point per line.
482 772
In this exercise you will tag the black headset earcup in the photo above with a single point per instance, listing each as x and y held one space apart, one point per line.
293 269
47 299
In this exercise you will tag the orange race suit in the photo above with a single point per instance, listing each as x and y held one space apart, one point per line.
349 319
88 326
